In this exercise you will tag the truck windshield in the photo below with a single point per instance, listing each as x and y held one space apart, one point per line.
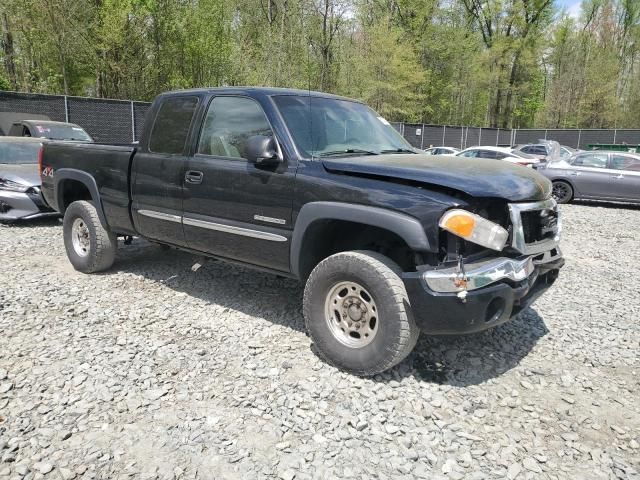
19 152
61 132
323 127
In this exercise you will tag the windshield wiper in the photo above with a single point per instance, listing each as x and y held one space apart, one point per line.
347 151
398 150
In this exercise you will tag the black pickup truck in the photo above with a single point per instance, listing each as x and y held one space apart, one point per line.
388 241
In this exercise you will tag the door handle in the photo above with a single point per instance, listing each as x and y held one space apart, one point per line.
574 174
618 176
193 176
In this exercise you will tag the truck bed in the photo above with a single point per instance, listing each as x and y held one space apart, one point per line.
109 165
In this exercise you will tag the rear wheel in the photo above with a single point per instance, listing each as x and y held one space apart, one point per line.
562 191
357 312
90 247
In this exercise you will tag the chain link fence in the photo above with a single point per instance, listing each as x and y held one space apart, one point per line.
122 121
107 121
425 136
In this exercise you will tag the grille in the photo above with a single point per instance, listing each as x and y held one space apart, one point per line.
538 225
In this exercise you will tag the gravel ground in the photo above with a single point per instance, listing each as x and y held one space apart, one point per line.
154 370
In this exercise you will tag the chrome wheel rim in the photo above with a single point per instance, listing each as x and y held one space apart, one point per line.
351 314
80 237
560 192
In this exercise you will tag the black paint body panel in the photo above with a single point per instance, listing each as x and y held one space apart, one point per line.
108 166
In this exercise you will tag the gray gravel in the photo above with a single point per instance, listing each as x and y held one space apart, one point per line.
154 370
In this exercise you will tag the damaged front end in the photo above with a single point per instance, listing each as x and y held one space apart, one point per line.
493 264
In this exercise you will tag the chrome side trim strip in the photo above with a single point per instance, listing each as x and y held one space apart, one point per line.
246 232
161 215
479 274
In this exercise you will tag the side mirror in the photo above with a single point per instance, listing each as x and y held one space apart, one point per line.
263 150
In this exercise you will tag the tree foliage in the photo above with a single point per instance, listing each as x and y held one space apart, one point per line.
505 63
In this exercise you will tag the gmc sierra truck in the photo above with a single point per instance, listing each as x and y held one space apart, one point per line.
388 241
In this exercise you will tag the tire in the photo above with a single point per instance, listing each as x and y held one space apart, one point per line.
562 191
392 331
90 247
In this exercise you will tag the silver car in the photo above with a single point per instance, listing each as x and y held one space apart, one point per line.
20 196
596 175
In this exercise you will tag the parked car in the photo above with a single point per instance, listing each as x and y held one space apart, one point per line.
321 189
544 150
500 153
441 151
50 130
20 196
597 175
7 119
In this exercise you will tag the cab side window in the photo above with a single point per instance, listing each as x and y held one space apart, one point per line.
486 154
172 124
229 123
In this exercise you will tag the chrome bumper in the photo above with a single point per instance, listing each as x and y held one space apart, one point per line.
472 276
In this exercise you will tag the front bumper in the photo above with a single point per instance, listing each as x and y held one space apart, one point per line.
481 295
22 206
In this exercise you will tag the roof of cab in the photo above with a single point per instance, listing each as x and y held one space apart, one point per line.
255 91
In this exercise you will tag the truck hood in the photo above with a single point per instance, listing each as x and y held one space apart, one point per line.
24 174
477 177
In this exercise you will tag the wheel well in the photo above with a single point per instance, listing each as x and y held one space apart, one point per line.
324 238
71 191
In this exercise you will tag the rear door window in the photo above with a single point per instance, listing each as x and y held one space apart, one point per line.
539 150
172 125
624 162
592 160
487 154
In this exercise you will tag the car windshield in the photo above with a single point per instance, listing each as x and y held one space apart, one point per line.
19 152
323 127
61 132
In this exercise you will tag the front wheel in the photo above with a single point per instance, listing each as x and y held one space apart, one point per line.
358 314
562 191
90 247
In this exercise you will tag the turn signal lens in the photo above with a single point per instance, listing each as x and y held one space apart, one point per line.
461 224
474 228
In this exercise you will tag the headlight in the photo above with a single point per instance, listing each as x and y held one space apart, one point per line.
12 186
474 228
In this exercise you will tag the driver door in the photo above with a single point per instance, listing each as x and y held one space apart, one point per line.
234 208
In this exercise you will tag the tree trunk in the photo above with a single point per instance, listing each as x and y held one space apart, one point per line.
9 52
